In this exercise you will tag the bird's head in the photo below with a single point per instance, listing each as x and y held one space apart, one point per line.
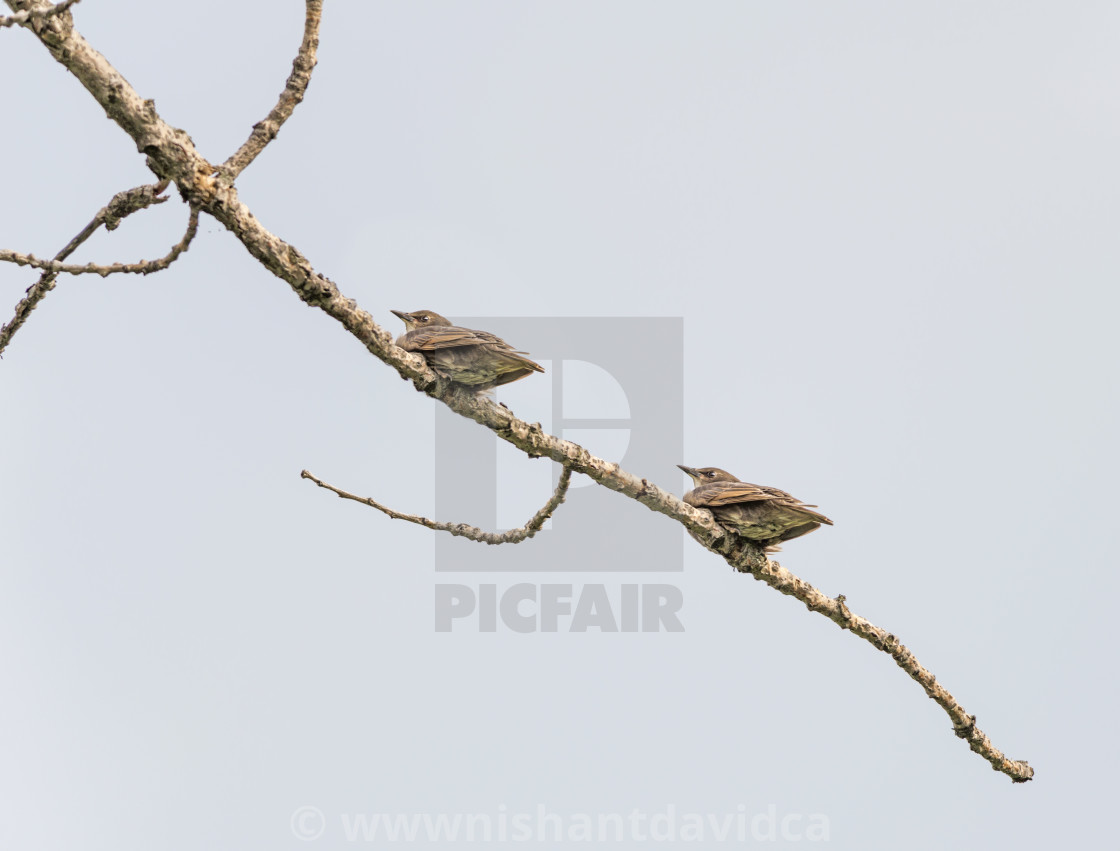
420 319
705 475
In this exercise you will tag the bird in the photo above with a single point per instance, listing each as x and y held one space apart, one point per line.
477 360
766 515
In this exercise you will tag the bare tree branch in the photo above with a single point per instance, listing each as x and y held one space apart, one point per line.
120 205
144 267
36 14
171 154
265 131
464 530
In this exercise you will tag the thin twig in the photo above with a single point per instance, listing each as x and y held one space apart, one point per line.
463 530
120 205
265 131
144 267
36 14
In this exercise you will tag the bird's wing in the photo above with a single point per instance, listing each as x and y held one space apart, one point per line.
444 337
452 337
729 493
519 362
496 344
816 515
493 340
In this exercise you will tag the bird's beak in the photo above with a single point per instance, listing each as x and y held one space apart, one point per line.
690 471
403 317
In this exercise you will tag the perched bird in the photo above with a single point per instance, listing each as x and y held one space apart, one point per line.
767 516
477 360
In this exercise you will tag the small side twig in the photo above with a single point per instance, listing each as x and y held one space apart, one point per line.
120 205
471 533
144 267
36 14
265 131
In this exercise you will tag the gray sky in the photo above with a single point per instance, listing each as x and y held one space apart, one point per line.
890 230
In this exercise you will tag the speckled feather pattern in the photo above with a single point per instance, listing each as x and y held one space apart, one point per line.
763 514
476 359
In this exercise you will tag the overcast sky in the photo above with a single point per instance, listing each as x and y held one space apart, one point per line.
890 231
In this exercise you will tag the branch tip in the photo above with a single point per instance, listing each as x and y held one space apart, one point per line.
265 130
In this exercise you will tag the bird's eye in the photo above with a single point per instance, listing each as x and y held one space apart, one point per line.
421 318
710 475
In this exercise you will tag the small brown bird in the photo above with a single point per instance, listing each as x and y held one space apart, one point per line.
767 516
475 359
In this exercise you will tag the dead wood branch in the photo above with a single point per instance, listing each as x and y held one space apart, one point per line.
172 155
120 205
464 530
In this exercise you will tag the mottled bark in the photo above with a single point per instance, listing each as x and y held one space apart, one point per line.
143 267
120 205
465 530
